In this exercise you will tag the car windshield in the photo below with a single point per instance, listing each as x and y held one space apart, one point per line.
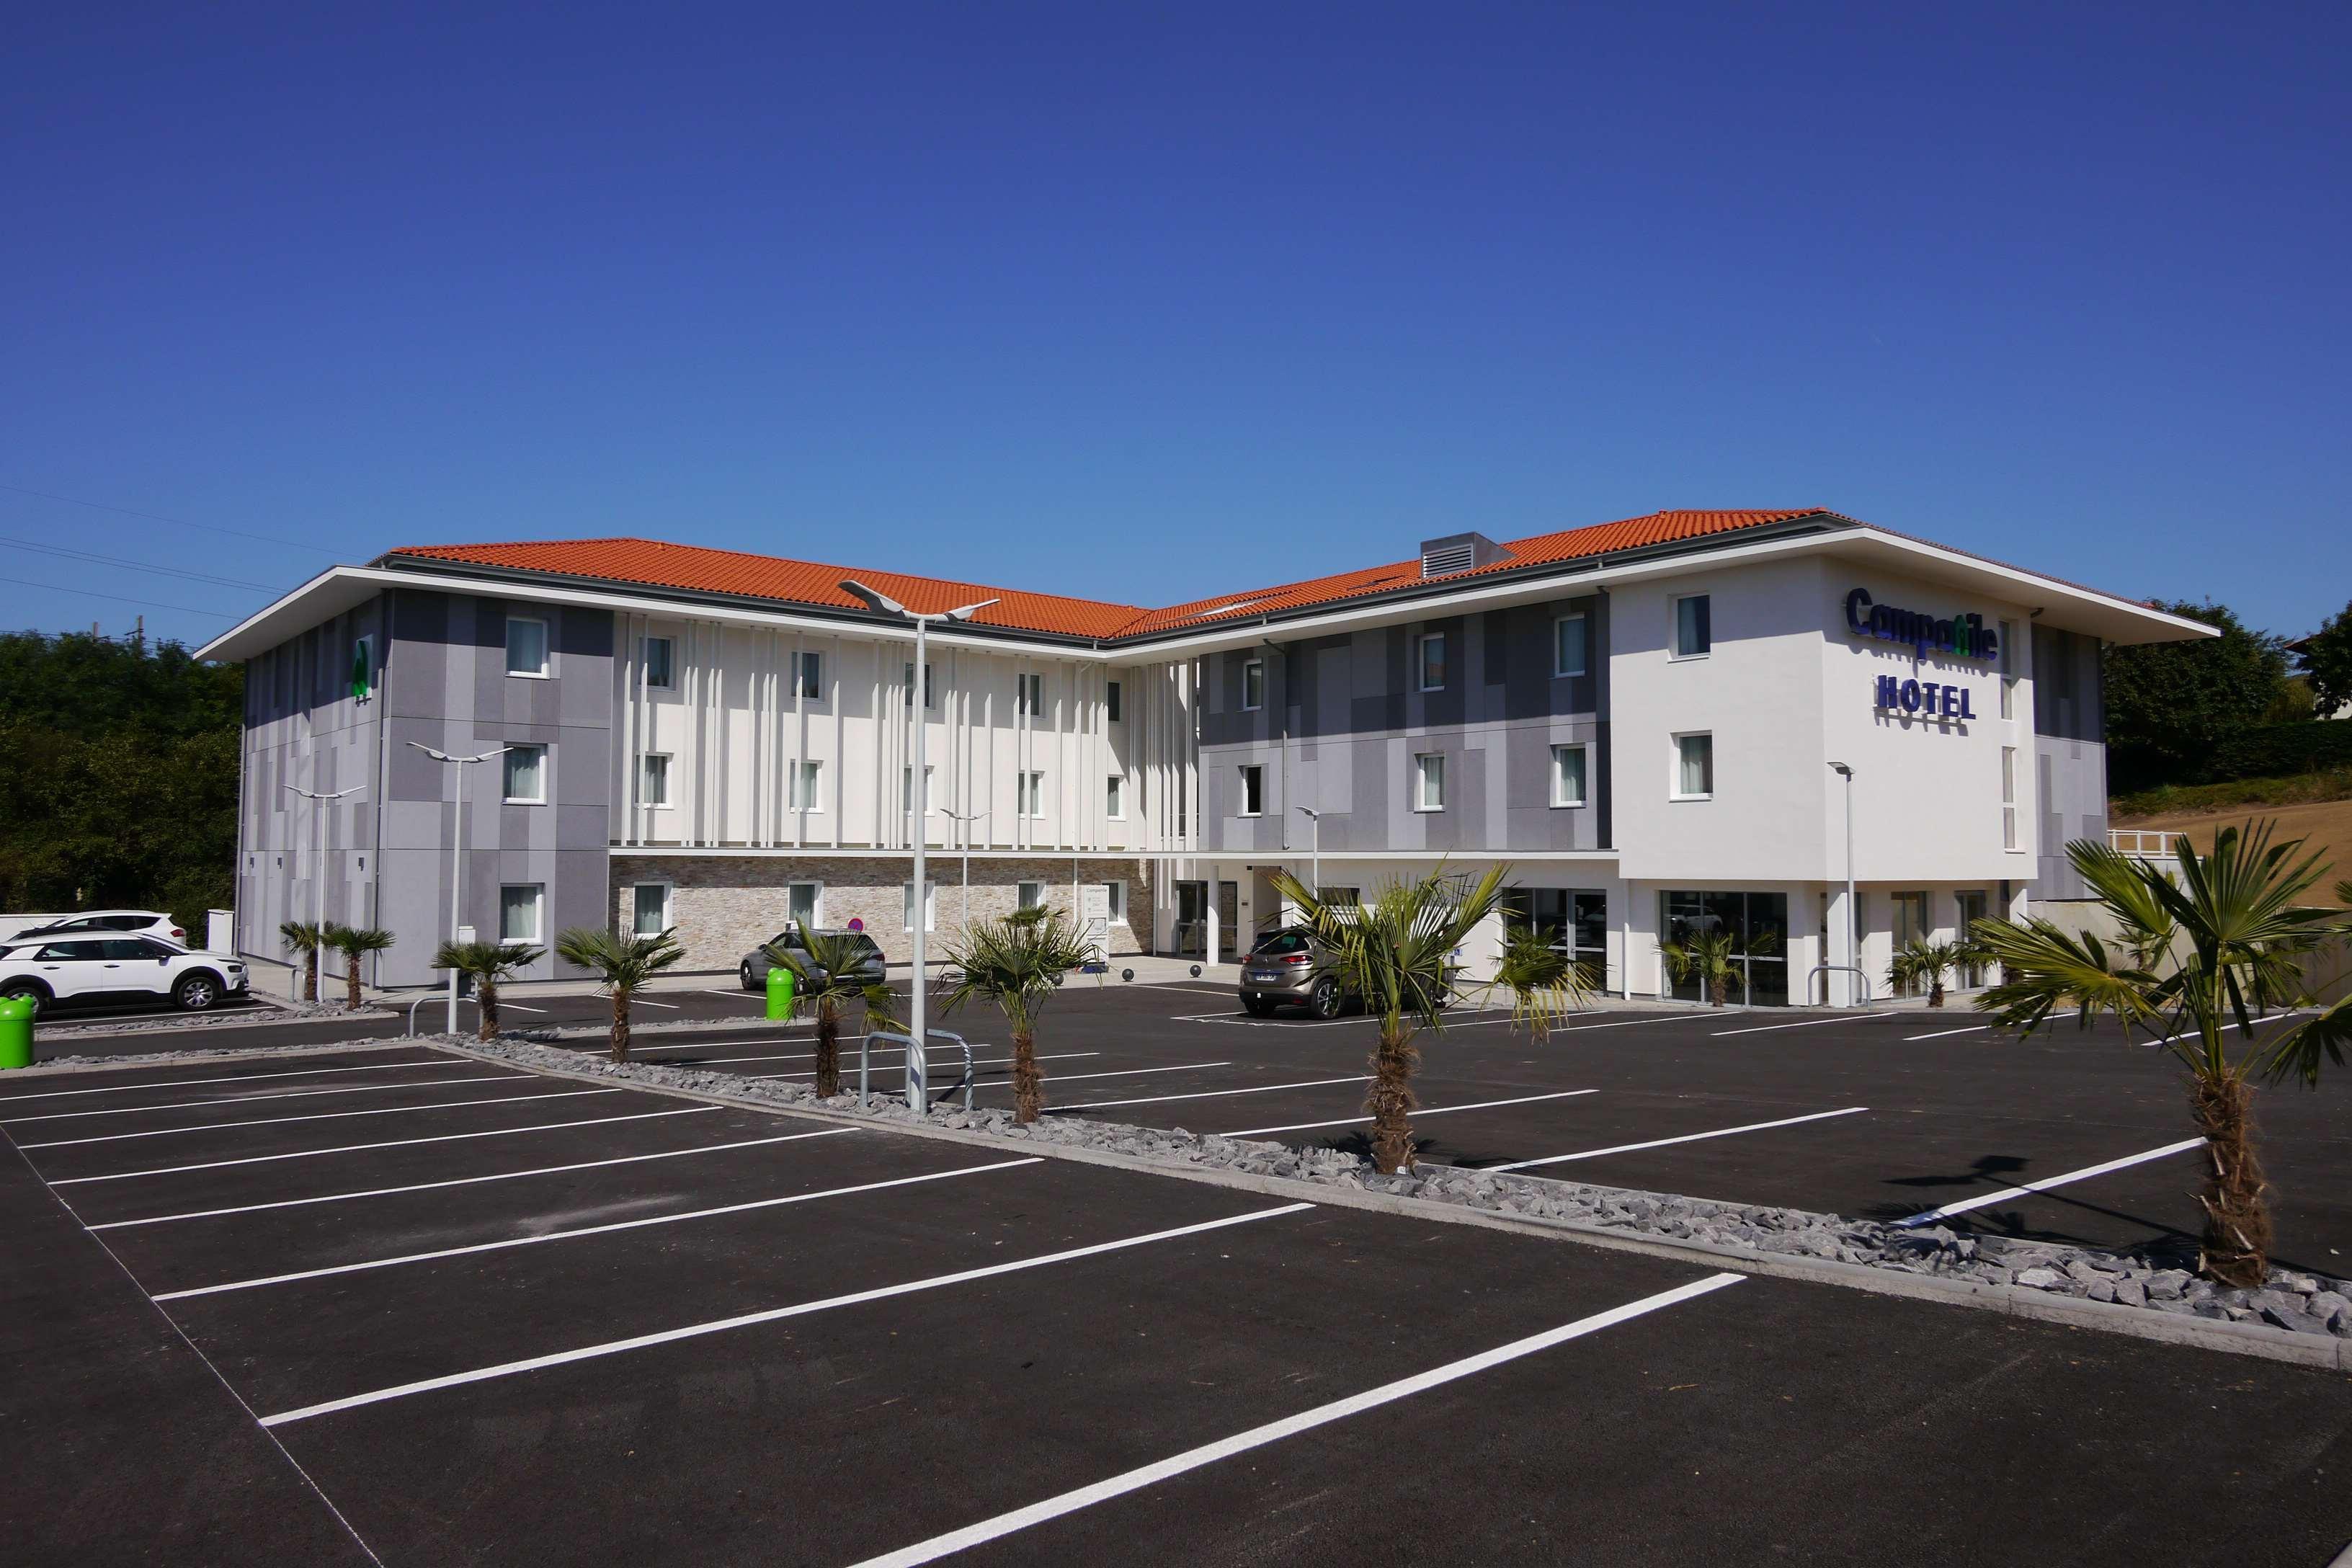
868 947
1281 943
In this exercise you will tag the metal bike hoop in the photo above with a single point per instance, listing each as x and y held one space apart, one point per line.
907 1043
1843 968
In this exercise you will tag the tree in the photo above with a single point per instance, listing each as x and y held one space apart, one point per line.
1017 964
354 942
304 938
489 963
2200 959
2168 703
2325 658
624 965
1397 954
824 980
1713 956
1924 964
1545 983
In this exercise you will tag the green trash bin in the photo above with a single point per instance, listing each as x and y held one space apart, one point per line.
16 1031
780 992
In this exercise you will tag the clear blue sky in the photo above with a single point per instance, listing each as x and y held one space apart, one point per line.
1148 305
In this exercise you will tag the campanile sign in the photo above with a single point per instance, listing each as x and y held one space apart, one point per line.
1957 637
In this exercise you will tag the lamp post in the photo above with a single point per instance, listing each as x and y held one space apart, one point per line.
916 1095
963 822
319 804
457 852
1315 849
1853 957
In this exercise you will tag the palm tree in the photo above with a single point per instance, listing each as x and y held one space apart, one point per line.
1546 984
489 963
1396 953
1918 964
304 938
354 942
2198 960
823 968
1017 962
1711 955
623 964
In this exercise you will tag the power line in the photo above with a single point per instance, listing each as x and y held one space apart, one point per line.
133 565
175 521
148 603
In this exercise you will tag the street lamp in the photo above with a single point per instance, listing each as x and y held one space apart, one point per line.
1853 957
457 852
1315 848
319 804
882 603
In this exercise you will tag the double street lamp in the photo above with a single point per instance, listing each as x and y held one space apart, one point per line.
878 601
319 804
457 852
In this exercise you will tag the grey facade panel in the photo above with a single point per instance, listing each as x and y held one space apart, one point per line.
2071 782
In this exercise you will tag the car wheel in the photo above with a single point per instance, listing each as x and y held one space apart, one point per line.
31 991
1259 1007
744 974
194 993
1326 1000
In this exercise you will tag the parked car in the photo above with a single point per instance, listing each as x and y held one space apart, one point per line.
101 922
753 971
71 969
1281 972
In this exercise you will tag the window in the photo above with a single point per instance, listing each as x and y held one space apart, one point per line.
519 911
907 906
661 668
808 675
1429 782
526 647
1430 660
1111 709
652 778
1253 790
649 910
1568 646
1340 897
2008 792
931 697
363 667
1693 626
2008 670
1568 776
1253 685
525 768
1033 694
803 900
808 780
1694 767
1115 901
1029 795
1029 896
906 787
1115 798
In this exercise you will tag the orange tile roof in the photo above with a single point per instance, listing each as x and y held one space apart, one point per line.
696 569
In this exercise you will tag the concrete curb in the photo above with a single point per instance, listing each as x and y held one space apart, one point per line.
277 1013
173 1059
2009 1301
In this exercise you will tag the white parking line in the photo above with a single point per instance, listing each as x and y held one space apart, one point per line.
1425 1111
314 1116
1686 1138
1800 1024
735 996
392 1143
977 1062
591 1230
471 1181
2043 1187
1940 1033
230 1077
775 1314
1203 1094
1144 1476
1126 1072
642 1002
518 1007
274 1094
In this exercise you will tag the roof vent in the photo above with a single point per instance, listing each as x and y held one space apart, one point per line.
1459 553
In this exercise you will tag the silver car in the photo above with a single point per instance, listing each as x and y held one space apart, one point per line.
1281 972
753 971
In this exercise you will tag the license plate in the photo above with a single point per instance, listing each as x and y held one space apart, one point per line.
1263 974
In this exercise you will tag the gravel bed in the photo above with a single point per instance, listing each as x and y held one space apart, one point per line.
2302 1304
266 1012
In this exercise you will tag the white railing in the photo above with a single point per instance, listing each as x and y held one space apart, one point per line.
2150 843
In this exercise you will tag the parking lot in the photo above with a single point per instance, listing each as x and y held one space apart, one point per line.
435 1311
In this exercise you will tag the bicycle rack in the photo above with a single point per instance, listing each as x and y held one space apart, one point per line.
1842 968
907 1043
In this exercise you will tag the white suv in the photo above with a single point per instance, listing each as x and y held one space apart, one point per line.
57 969
102 922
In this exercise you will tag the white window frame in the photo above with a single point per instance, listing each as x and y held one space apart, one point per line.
669 893
1115 797
1421 646
1031 687
546 648
807 785
2008 672
538 933
1559 666
1583 774
816 903
930 686
1115 901
1029 783
1675 763
646 662
1252 677
930 906
1253 783
2011 839
646 778
1675 653
1114 702
808 674
1028 896
506 772
906 788
1423 776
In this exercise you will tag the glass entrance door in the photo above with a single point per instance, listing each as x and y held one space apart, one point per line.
1757 925
1973 908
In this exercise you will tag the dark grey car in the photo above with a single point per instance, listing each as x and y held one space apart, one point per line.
753 971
